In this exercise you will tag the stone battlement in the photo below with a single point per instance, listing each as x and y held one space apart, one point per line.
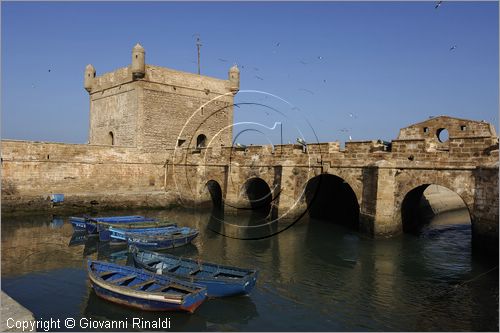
163 76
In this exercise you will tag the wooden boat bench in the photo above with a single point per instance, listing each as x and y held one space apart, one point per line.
173 268
123 279
143 284
103 274
195 271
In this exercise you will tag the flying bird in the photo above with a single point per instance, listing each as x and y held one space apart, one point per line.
223 60
453 47
320 58
306 90
277 44
438 4
258 77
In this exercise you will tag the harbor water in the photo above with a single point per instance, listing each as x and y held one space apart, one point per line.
314 276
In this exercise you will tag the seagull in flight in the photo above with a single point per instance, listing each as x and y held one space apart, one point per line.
453 47
438 4
307 90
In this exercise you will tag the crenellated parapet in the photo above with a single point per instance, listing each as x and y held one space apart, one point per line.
152 107
380 174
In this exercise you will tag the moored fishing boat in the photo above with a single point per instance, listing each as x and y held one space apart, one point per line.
94 224
89 223
120 234
78 223
143 290
219 280
154 241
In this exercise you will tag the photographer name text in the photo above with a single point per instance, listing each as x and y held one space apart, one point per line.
87 323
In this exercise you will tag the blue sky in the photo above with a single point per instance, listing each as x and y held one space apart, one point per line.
349 69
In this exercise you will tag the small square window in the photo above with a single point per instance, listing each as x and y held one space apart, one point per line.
463 128
426 129
180 142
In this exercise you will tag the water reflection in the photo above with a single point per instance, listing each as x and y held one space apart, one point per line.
213 315
315 276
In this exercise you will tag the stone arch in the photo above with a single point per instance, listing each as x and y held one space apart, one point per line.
201 141
460 182
215 192
353 178
412 219
257 194
111 138
330 197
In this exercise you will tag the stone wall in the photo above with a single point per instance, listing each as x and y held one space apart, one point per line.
113 116
158 110
379 177
31 171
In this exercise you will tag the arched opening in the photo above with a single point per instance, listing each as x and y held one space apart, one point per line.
330 198
442 135
433 206
201 141
215 191
111 138
259 196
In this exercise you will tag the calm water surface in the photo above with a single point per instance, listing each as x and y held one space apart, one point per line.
315 276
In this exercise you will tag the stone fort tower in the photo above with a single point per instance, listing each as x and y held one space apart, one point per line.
151 107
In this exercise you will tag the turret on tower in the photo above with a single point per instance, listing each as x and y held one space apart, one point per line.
138 62
146 106
89 77
234 79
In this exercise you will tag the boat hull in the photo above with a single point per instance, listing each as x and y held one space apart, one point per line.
101 279
150 243
121 235
78 223
142 304
216 287
91 224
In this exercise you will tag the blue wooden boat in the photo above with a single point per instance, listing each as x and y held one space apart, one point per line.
143 290
154 241
94 224
78 223
120 234
219 280
89 223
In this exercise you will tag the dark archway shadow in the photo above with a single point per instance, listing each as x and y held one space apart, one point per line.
253 220
216 195
217 209
330 198
433 209
259 197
